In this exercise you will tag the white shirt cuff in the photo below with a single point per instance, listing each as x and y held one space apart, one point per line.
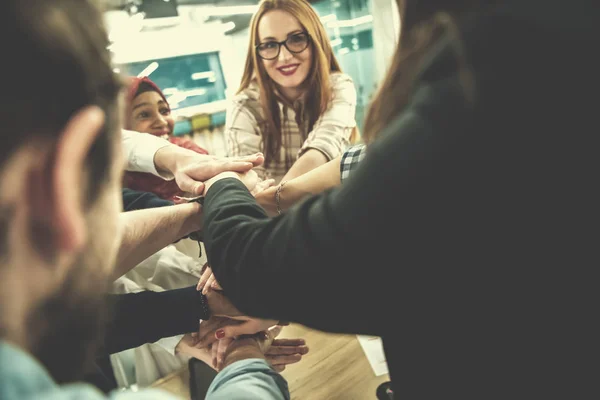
139 150
170 343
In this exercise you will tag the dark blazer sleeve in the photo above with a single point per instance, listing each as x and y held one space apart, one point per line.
145 317
334 260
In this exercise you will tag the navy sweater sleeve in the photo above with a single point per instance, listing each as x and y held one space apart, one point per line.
145 317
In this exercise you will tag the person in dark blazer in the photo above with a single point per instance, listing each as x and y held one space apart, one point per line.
462 239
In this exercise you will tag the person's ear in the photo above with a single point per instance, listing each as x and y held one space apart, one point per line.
68 178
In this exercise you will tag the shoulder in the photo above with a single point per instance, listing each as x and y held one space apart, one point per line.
342 86
246 102
248 96
340 80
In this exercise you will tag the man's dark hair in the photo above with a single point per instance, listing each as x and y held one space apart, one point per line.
56 62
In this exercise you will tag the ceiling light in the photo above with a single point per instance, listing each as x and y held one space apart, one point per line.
203 75
148 70
227 10
228 26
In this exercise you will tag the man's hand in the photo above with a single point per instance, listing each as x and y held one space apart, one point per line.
264 345
278 352
191 169
250 179
218 328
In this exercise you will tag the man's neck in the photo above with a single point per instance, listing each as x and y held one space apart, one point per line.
14 307
11 331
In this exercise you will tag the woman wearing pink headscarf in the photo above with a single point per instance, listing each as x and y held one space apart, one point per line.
148 111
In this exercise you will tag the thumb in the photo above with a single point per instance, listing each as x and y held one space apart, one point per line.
275 331
187 184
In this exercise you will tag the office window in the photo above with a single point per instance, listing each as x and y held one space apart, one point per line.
350 27
187 80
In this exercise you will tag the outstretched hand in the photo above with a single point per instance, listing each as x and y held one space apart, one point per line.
219 328
192 169
227 321
279 353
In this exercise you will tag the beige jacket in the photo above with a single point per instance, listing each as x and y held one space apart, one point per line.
330 133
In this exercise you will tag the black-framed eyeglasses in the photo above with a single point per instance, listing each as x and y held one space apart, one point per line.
296 43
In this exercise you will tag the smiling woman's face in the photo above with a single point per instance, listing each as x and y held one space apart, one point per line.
289 69
151 114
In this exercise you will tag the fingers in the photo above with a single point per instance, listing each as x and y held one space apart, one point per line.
248 327
286 350
213 350
179 200
211 283
206 332
221 350
267 183
187 184
204 268
261 186
205 341
274 331
289 342
256 159
235 166
212 330
215 285
283 359
207 272
279 350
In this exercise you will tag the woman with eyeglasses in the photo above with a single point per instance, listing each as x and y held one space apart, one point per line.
294 104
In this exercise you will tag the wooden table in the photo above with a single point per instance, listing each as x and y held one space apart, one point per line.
335 368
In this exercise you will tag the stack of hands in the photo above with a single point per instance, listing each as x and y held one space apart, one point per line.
230 336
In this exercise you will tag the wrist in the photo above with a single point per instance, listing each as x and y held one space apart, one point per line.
222 175
205 311
242 349
266 199
168 158
191 214
278 194
220 306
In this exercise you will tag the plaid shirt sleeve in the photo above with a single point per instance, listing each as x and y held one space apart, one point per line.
350 159
331 133
242 135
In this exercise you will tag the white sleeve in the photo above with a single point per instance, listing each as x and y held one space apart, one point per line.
139 150
170 343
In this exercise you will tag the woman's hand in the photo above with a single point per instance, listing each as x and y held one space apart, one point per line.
207 280
261 186
219 328
187 346
266 199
